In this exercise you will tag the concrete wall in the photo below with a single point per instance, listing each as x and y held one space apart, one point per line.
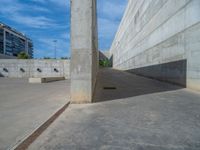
104 55
160 39
15 68
84 47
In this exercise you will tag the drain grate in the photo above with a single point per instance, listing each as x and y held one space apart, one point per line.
109 88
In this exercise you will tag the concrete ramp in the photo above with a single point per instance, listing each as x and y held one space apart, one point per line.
115 84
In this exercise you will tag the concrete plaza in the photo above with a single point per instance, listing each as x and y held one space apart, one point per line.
140 114
24 107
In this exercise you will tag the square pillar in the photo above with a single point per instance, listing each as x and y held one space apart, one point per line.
84 50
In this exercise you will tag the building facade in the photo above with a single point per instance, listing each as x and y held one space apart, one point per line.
13 42
160 39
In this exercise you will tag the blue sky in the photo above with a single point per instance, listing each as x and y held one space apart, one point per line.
47 20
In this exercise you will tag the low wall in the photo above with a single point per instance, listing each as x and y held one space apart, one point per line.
160 39
15 68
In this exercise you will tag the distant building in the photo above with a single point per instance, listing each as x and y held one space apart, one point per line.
13 42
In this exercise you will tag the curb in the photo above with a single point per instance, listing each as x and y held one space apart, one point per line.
28 140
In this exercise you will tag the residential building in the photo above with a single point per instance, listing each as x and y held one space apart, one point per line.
13 42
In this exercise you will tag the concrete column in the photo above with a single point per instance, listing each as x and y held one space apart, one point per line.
84 50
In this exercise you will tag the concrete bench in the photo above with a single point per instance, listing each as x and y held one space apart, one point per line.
45 79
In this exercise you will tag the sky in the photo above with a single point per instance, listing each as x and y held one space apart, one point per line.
44 21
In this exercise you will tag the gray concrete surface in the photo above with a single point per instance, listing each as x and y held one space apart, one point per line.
159 32
45 79
16 68
24 107
127 85
104 55
84 47
165 117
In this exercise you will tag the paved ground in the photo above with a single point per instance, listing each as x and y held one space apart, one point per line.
127 85
164 117
24 106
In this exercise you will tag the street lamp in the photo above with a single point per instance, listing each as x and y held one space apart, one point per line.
55 49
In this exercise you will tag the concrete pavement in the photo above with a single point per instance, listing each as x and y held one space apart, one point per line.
164 118
25 106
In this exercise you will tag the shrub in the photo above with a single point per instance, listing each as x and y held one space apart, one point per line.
104 63
22 55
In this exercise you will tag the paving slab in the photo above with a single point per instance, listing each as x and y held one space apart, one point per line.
155 120
24 107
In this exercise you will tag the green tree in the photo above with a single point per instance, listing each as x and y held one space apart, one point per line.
22 55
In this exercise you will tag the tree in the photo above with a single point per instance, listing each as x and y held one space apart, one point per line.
22 55
47 57
65 57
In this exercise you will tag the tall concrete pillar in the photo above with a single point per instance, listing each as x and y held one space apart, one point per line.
84 50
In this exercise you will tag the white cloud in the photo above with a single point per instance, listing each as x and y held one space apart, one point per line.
17 12
62 46
110 13
62 3
34 22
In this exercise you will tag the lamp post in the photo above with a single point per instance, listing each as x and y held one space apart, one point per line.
55 49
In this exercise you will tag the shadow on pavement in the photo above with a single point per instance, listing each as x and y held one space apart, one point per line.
114 84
